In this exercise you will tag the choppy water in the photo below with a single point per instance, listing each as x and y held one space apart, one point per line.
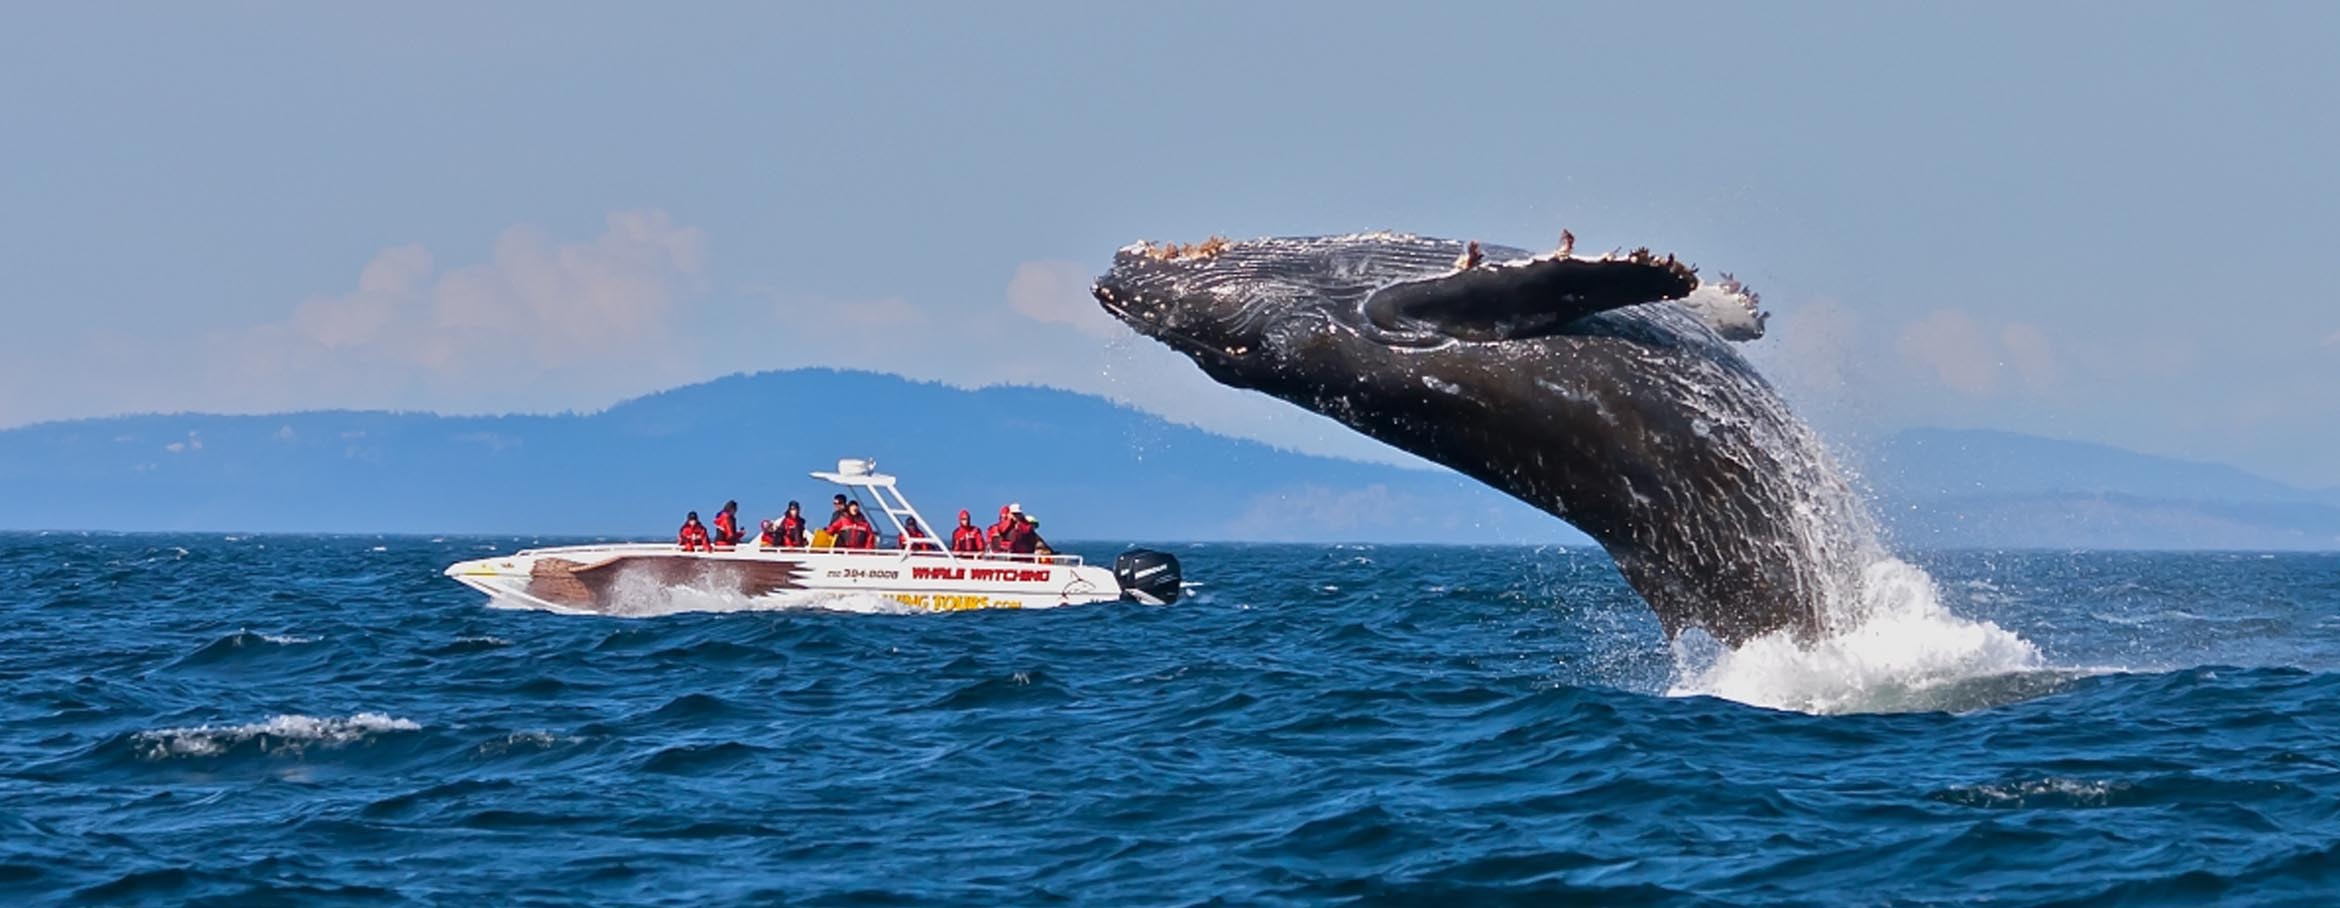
279 720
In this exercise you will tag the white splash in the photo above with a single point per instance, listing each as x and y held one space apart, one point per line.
282 734
1901 644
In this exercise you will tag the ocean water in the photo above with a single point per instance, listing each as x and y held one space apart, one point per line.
282 720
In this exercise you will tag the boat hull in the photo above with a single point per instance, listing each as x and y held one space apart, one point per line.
643 578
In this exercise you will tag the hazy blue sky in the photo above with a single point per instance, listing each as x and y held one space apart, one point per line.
2105 222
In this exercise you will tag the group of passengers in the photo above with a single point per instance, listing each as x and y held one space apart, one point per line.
1016 533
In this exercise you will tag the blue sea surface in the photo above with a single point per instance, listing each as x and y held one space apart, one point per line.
285 720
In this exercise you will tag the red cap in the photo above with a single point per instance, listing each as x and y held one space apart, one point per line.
962 513
1003 510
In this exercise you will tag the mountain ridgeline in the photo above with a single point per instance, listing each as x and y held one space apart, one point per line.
1088 467
1965 488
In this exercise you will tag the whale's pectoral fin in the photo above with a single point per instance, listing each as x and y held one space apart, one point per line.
1527 299
1728 307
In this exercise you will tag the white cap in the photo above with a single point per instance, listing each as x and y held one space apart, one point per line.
1015 509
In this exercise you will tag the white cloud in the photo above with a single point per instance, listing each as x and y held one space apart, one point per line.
2030 354
1058 292
1954 348
542 324
1961 351
536 304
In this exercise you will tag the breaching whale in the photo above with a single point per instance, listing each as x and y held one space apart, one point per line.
1602 389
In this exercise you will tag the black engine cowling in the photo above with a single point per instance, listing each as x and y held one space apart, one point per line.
1148 576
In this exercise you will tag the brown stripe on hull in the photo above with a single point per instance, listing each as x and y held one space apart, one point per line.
579 585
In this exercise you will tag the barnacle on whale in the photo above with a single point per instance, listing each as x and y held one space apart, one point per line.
1170 252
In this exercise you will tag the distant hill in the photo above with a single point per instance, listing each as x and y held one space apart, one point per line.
1087 467
1973 488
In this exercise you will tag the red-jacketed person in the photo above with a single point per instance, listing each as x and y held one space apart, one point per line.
727 524
852 529
1006 526
693 535
968 537
791 528
1024 537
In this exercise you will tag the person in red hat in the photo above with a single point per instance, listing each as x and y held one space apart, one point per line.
968 537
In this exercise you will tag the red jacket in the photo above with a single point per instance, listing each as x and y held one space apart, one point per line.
693 536
726 529
791 530
1000 532
853 532
1023 539
967 539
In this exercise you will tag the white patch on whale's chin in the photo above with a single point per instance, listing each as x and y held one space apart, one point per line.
1904 645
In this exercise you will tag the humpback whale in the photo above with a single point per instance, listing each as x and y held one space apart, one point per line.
1602 389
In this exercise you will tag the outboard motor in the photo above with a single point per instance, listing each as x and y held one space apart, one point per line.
1148 576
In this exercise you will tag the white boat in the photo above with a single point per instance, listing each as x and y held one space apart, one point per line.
923 574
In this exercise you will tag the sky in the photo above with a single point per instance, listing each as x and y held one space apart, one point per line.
2102 222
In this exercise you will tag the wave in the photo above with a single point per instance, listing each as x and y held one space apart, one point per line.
242 647
284 734
468 644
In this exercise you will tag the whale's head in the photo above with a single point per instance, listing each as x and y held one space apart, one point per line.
1184 297
1270 313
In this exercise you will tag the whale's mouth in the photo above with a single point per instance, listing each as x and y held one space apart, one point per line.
1157 319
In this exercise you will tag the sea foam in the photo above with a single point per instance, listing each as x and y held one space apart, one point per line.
282 734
